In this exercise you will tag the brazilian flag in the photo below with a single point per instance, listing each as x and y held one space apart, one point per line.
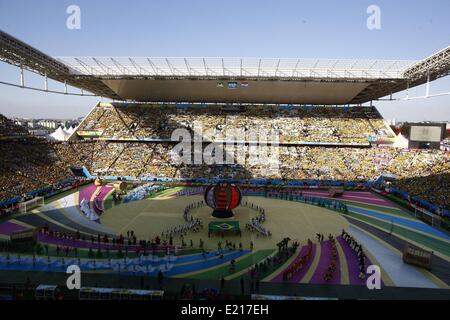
219 226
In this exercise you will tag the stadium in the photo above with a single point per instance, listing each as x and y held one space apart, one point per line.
282 181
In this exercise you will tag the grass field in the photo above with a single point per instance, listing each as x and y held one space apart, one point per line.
150 217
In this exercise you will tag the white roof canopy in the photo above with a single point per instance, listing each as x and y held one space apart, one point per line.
237 67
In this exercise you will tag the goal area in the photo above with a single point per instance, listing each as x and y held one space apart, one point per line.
28 205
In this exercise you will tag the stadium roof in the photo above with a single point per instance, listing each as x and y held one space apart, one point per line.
229 80
257 68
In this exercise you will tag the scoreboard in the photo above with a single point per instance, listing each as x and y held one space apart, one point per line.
426 133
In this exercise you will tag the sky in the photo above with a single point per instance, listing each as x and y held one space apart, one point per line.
409 30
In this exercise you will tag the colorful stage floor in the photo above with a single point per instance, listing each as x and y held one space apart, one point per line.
365 207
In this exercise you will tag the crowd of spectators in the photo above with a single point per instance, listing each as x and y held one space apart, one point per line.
294 162
293 124
433 188
9 130
29 164
141 192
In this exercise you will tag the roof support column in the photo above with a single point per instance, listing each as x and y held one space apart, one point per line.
407 90
22 79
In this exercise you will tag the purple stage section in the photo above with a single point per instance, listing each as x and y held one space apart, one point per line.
301 273
104 190
87 193
301 253
98 206
7 228
364 197
349 255
325 258
89 245
352 262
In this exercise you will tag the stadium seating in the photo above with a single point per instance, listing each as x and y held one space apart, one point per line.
30 164
299 163
9 130
321 125
141 192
